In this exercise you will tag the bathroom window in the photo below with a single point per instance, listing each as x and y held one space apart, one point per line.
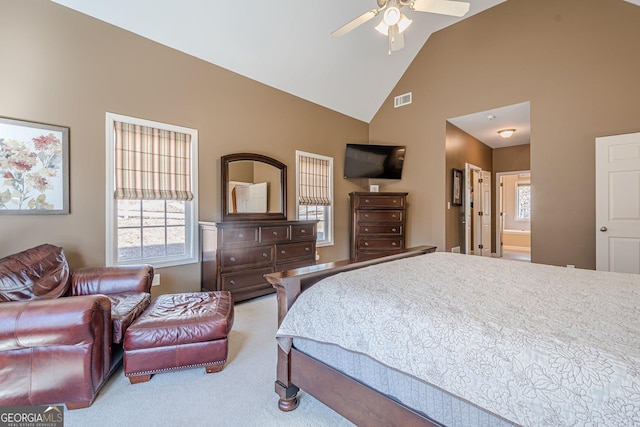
523 200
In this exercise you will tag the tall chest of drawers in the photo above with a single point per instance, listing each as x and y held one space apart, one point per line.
378 222
237 254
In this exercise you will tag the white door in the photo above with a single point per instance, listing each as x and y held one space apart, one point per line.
618 203
482 213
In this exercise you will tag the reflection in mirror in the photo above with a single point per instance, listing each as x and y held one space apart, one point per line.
254 187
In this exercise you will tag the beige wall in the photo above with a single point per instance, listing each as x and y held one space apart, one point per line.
65 68
510 159
576 61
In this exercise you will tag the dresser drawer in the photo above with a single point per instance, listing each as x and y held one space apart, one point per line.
380 243
248 257
240 235
287 251
236 281
375 201
379 216
274 234
390 229
303 231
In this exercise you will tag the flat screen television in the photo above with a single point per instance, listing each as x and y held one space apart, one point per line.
374 161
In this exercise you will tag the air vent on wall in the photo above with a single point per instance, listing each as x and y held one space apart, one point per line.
401 100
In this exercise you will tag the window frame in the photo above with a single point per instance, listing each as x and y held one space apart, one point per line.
329 223
191 254
517 187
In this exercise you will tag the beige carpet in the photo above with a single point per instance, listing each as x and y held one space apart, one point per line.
241 395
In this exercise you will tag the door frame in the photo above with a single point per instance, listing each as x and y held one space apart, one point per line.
468 167
499 207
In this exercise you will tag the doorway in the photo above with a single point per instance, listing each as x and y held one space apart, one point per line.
513 221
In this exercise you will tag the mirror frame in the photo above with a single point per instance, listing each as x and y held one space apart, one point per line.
252 216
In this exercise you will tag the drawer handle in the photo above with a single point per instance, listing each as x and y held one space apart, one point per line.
394 229
366 200
366 215
241 236
275 233
366 229
264 254
395 201
283 252
232 282
393 243
393 216
303 231
232 259
366 243
307 249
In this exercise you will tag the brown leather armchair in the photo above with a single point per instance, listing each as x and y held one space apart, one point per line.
61 330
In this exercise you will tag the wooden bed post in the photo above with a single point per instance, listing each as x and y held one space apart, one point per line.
287 290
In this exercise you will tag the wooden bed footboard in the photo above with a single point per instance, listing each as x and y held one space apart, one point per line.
296 370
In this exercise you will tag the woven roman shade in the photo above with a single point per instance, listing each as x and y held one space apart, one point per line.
313 181
152 164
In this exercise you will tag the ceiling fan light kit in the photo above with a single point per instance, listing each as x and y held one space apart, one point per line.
394 23
403 24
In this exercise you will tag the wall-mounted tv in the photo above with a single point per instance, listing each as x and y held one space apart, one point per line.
374 161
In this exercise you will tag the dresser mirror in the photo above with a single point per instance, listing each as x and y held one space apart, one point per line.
254 188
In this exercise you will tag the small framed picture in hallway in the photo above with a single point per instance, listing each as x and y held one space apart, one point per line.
456 188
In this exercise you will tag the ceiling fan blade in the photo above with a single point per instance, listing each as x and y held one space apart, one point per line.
396 39
443 7
352 25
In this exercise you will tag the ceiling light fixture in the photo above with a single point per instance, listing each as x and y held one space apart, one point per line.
401 20
506 133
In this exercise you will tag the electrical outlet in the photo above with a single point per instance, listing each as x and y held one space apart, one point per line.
455 249
156 280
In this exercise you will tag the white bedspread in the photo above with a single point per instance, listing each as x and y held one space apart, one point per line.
535 344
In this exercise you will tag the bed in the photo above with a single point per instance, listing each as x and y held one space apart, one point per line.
433 339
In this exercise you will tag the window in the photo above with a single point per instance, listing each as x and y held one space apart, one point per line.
151 196
523 201
314 193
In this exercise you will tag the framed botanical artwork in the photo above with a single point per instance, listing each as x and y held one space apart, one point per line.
456 187
34 168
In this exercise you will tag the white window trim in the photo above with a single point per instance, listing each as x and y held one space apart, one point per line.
191 208
329 240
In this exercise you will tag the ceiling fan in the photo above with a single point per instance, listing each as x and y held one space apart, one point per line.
394 22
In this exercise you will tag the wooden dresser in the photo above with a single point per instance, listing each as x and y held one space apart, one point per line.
237 254
378 222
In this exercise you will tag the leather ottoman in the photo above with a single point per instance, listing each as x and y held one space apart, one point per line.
179 331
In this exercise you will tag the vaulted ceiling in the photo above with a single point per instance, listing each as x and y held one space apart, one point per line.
285 44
